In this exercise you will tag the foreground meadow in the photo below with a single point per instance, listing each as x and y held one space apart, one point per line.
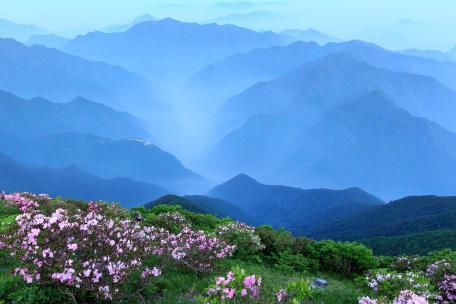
62 251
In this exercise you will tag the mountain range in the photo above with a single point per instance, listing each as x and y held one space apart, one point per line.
31 71
17 31
47 40
411 225
169 49
430 54
401 217
131 158
75 184
363 141
328 82
293 208
37 117
310 34
238 72
124 27
89 136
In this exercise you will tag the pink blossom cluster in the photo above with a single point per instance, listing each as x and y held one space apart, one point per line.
404 263
24 201
447 288
175 217
196 249
147 272
235 226
404 297
236 287
281 295
434 267
83 250
367 300
409 279
409 297
230 230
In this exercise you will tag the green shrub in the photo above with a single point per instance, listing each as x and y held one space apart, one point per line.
275 241
205 222
288 261
296 292
303 245
345 258
15 290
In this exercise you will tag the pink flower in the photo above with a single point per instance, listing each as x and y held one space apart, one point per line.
367 300
47 253
409 297
249 281
281 294
73 247
229 292
155 272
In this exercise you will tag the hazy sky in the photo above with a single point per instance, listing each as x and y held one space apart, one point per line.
425 23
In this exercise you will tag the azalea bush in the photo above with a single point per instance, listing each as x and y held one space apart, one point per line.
248 243
404 297
171 221
235 287
196 249
405 263
388 284
86 253
447 289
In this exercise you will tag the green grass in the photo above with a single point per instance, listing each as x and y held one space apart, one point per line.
182 286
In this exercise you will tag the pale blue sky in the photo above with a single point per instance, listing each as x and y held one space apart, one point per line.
433 21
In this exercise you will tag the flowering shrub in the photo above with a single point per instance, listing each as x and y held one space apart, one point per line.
389 284
196 249
236 287
437 267
171 221
295 292
247 242
84 252
404 297
281 295
398 288
447 288
367 300
409 297
24 201
404 263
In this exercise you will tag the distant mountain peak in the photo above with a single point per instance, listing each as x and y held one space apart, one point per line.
151 23
356 44
242 179
143 18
